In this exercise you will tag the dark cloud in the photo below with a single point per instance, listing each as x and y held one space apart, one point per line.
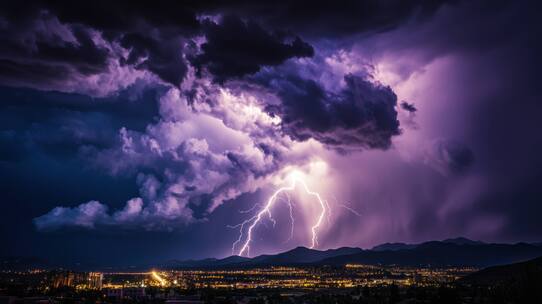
50 45
448 156
236 48
334 19
409 107
327 19
39 51
362 115
113 16
163 56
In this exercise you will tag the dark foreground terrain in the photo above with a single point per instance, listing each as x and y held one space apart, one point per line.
379 294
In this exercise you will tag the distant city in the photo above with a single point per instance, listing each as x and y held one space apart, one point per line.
296 276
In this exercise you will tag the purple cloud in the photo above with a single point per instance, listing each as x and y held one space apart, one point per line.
234 48
87 215
240 103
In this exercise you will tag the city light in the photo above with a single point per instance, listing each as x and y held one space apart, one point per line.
157 277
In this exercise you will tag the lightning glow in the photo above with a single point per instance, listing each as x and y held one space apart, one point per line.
296 179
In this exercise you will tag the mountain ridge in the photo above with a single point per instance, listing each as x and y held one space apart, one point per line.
438 253
449 252
456 251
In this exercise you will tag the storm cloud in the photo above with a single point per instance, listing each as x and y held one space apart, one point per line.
335 20
41 51
165 120
236 48
361 115
409 107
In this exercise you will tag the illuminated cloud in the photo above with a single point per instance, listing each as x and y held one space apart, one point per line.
221 129
86 215
177 115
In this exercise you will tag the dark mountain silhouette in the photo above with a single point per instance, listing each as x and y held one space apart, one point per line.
437 253
296 256
450 252
520 273
400 246
232 260
463 241
393 246
303 255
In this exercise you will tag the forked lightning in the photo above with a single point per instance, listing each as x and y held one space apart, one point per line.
252 222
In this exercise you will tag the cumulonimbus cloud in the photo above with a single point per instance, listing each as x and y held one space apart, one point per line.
193 162
229 117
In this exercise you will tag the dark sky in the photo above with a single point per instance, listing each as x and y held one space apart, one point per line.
133 133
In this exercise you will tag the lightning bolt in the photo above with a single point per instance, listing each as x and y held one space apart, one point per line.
250 209
352 210
266 210
356 213
292 218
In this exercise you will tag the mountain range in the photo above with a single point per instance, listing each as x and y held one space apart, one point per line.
449 252
399 246
296 256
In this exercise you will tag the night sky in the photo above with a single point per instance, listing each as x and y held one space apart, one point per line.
135 133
